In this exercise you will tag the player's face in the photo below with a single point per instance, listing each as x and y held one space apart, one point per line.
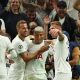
38 37
23 30
52 30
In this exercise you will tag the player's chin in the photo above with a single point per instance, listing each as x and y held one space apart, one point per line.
25 35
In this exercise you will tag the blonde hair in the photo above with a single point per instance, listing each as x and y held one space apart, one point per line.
8 7
56 23
38 29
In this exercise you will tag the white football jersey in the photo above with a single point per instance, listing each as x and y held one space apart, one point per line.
16 71
36 66
60 51
5 46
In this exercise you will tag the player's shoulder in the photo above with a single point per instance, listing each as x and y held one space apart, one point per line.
4 38
65 37
16 40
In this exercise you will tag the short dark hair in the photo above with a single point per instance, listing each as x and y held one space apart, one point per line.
62 4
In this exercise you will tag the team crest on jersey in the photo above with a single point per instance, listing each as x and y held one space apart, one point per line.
20 46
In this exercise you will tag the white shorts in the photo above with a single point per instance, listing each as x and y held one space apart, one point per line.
63 76
36 77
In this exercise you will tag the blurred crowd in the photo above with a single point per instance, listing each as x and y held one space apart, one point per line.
40 13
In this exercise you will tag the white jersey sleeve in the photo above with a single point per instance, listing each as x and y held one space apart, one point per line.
50 51
19 47
65 39
10 48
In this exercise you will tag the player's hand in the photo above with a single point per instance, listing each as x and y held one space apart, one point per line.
46 20
11 61
56 31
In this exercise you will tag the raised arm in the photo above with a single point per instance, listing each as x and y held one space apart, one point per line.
61 36
46 23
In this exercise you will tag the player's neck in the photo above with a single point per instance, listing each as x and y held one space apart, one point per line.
21 37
